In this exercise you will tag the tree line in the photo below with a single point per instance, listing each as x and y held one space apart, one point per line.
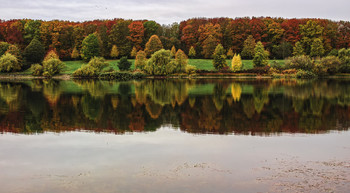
197 37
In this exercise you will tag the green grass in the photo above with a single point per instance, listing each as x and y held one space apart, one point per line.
202 64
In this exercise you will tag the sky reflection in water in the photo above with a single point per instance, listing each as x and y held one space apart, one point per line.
174 136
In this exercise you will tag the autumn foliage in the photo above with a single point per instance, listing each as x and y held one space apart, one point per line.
198 35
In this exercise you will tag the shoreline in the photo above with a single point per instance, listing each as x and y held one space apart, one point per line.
196 76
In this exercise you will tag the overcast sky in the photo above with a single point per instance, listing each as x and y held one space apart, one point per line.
169 11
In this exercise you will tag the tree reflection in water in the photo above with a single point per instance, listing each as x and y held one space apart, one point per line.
256 107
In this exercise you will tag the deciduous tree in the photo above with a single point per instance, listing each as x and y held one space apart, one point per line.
248 48
154 44
90 47
261 56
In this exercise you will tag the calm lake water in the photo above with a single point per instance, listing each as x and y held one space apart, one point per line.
175 136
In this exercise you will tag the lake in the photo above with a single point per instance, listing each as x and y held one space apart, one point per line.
218 135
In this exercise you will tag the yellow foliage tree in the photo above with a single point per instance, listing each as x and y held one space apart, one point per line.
133 52
75 53
236 63
114 52
173 52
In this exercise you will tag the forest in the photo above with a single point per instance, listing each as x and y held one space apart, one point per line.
274 33
257 38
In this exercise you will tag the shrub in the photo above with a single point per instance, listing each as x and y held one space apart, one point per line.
159 63
34 52
141 60
124 64
259 70
305 74
331 64
219 61
333 52
344 56
236 64
190 69
98 62
86 71
276 65
261 56
90 47
52 66
9 63
299 62
92 69
289 71
37 69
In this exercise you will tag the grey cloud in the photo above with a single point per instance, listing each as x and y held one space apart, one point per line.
168 11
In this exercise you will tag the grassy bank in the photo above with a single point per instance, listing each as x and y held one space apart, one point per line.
201 64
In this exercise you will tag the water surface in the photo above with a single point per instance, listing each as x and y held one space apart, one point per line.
175 136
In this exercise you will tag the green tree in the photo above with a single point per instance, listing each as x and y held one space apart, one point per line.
154 44
160 63
248 48
124 64
236 63
317 49
298 49
31 30
90 47
219 60
261 56
282 51
114 52
34 52
141 59
192 52
309 32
